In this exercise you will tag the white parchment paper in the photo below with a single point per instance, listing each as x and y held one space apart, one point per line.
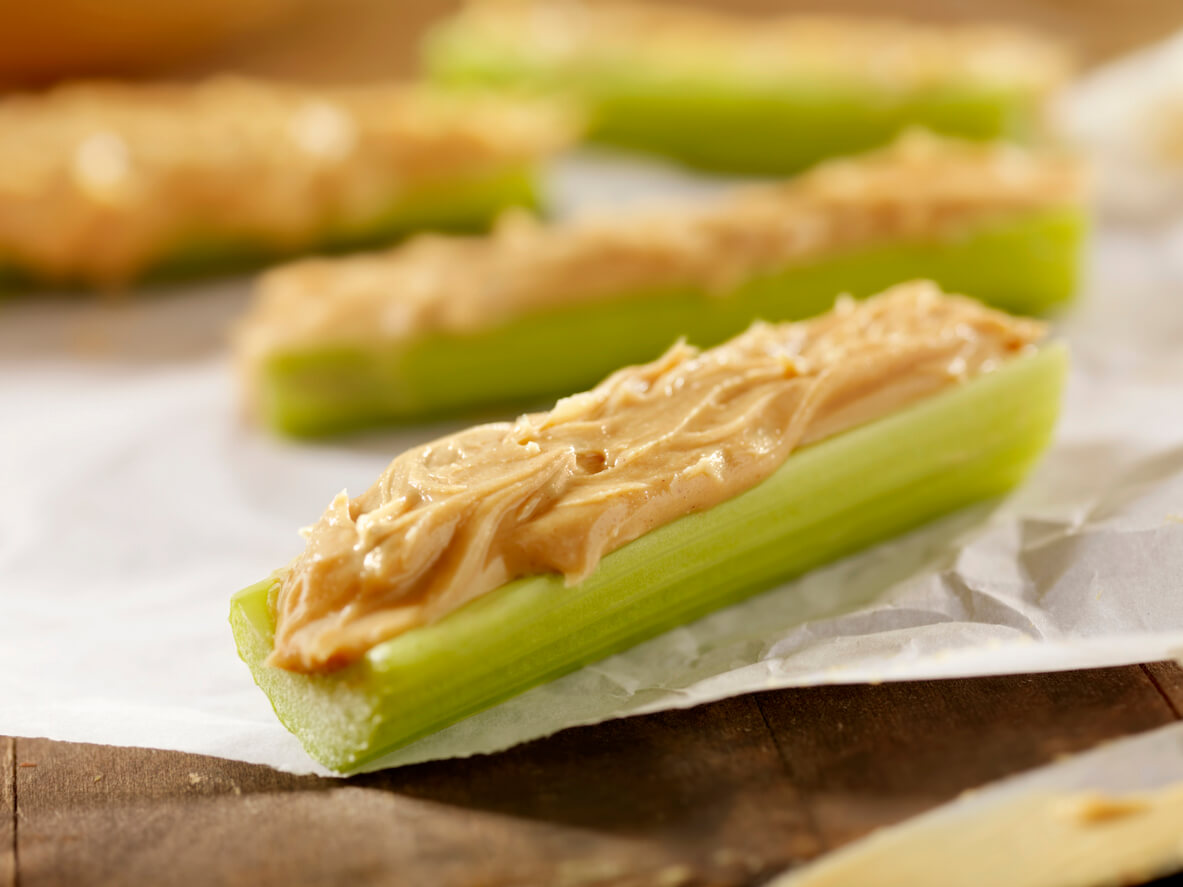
134 500
1128 116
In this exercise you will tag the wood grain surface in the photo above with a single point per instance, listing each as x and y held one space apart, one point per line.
722 794
346 40
366 39
7 813
1168 680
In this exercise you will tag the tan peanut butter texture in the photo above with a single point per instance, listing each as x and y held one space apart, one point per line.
99 179
589 36
920 188
554 492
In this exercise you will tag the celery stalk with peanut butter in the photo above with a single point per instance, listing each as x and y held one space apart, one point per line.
752 94
455 325
502 556
103 183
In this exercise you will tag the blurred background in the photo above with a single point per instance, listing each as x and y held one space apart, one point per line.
350 40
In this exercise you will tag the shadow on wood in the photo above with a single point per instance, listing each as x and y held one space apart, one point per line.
726 793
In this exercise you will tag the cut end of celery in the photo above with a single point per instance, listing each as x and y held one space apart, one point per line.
970 443
331 716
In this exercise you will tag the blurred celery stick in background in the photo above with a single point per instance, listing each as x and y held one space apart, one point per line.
968 442
441 326
751 95
104 183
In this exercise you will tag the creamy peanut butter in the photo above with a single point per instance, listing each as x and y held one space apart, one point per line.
97 180
888 54
920 187
556 491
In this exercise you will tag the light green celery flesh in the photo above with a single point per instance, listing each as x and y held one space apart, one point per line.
1025 264
455 205
827 500
722 120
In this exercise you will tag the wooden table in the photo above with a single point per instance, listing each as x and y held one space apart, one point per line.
723 794
362 39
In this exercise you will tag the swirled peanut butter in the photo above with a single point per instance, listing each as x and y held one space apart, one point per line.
556 491
585 36
98 180
922 187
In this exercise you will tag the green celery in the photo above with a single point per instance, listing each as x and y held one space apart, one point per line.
827 500
1026 264
724 121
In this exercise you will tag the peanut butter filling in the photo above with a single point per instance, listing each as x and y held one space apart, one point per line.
879 53
921 187
97 180
554 492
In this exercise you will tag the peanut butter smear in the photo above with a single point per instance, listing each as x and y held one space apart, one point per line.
554 492
576 35
99 179
921 187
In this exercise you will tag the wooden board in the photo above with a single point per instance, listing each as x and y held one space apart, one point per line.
7 814
366 39
895 750
723 794
350 40
1168 680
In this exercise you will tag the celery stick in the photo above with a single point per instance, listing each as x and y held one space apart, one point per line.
720 120
827 500
766 132
1027 264
455 205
